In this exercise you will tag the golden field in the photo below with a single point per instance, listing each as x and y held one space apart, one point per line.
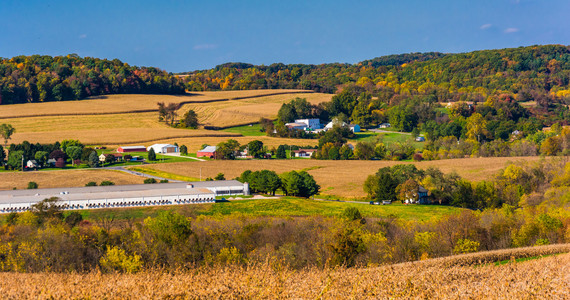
125 103
543 278
337 178
64 178
122 120
340 178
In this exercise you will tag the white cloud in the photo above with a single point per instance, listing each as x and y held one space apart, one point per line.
511 30
83 36
205 47
485 26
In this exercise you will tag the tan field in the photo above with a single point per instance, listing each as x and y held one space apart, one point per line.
544 278
340 178
64 178
124 103
113 120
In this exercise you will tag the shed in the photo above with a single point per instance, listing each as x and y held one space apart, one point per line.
208 151
124 149
423 197
385 125
420 139
304 153
354 127
164 148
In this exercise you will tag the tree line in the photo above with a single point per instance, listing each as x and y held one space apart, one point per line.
25 79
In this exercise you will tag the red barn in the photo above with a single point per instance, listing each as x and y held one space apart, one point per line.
209 151
131 149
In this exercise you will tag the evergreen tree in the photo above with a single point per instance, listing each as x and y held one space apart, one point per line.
93 160
151 155
281 153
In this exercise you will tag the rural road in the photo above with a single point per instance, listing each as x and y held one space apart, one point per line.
123 169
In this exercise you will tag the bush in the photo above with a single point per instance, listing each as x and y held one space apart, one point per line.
418 157
220 176
32 185
149 181
116 259
73 219
164 181
91 183
106 182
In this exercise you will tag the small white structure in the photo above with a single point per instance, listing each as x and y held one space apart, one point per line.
297 126
353 127
32 164
420 139
385 125
304 153
311 123
164 148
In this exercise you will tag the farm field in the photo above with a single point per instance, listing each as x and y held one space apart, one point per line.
340 178
281 206
133 119
125 103
539 278
64 178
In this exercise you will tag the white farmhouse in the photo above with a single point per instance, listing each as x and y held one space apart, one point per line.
311 123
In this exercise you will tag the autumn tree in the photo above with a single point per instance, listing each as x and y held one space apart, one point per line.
6 130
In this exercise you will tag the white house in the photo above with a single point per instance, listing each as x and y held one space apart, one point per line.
304 153
353 127
385 125
32 164
311 123
164 148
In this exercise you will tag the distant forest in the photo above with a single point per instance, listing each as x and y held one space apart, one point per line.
534 72
38 78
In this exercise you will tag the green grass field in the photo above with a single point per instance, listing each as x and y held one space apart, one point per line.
283 207
247 130
386 138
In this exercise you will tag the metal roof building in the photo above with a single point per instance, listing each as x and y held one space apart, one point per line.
123 195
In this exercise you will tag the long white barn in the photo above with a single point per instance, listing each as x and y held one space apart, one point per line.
123 195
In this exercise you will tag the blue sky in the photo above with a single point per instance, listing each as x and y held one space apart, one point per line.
178 36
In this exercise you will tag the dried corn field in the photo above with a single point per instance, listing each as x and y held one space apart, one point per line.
133 119
542 278
64 178
341 178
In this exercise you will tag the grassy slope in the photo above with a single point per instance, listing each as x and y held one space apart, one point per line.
285 206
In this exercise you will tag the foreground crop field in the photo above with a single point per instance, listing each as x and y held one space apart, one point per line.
340 178
64 178
282 207
534 279
133 119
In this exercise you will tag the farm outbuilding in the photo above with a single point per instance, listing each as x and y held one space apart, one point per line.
116 196
164 148
208 151
124 149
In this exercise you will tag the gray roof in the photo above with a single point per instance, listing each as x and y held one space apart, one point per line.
210 149
115 191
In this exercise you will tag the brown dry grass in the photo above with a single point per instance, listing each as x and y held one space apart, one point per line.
239 112
341 178
118 126
536 279
64 178
122 103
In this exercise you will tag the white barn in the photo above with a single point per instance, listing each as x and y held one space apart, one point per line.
164 148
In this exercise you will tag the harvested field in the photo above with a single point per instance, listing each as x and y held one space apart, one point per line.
246 111
64 178
125 119
341 178
125 103
534 279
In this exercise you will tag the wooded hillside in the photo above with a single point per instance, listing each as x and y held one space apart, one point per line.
544 69
44 78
